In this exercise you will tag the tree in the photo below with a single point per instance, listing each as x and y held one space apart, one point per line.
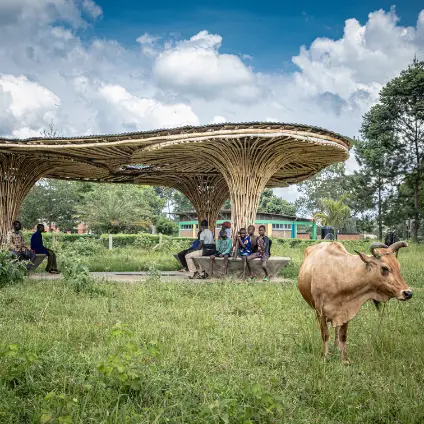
330 183
270 203
121 208
181 203
53 201
334 213
374 155
404 98
167 226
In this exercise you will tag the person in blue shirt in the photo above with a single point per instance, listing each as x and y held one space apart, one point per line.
38 247
181 255
244 248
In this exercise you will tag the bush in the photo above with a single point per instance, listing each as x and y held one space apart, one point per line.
11 269
146 241
167 226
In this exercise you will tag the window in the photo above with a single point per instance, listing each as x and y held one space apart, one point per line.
187 226
282 227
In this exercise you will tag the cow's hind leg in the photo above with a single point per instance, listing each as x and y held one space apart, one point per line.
336 336
343 340
325 334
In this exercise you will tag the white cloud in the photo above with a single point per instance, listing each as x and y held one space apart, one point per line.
92 8
146 113
197 67
26 106
99 86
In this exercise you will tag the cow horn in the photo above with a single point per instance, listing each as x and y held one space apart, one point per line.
396 246
377 245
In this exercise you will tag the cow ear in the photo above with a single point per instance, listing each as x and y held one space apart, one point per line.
364 258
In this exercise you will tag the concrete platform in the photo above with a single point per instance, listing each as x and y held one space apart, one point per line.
140 277
235 266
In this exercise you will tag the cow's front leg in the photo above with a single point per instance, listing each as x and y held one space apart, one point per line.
343 340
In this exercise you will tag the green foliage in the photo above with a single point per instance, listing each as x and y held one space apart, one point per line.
17 363
119 208
329 183
167 226
333 213
58 408
392 150
145 241
11 270
75 272
52 201
125 368
271 203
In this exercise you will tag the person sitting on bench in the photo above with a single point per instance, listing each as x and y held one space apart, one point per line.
38 247
17 245
181 255
224 247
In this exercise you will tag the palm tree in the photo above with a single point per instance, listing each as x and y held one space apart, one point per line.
333 213
113 209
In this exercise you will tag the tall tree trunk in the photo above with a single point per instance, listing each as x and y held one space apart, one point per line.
417 185
380 220
417 211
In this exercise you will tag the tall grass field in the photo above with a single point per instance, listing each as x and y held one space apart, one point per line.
204 352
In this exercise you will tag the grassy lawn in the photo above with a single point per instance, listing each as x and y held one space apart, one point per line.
203 353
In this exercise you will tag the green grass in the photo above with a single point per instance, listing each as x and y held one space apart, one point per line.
202 353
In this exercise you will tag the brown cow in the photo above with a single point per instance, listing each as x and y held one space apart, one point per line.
336 284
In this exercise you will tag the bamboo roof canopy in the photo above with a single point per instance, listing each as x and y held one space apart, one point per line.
105 157
215 162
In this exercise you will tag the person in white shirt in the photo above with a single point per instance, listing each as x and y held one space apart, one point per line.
206 241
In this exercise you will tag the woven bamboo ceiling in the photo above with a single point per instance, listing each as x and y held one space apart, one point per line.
162 157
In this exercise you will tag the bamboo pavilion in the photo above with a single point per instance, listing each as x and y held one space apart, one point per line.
208 164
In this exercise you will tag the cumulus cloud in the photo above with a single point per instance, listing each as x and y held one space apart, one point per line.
146 113
100 86
25 106
197 67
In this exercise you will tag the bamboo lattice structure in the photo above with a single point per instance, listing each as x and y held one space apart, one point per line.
208 164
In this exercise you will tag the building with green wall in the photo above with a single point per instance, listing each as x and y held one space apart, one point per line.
277 226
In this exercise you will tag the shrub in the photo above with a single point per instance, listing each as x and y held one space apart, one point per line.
11 269
146 241
75 272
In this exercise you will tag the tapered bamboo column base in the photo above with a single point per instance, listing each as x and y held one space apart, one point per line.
18 174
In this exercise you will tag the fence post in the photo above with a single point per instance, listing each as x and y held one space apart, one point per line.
110 242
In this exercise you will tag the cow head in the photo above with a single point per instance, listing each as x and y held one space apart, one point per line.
383 271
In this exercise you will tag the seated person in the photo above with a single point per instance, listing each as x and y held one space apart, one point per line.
17 245
206 245
244 247
227 227
181 255
223 250
263 252
251 232
38 247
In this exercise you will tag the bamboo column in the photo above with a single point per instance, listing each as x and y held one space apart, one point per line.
18 174
207 194
247 164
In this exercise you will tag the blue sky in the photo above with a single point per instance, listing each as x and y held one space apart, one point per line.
78 64
269 31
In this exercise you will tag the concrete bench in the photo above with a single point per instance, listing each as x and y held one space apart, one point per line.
235 266
36 262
